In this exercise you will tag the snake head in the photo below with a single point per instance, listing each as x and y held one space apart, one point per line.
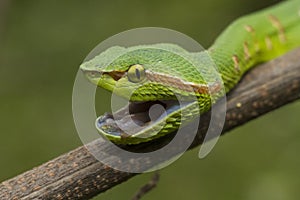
147 75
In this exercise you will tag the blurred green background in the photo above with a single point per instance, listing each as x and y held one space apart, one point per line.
42 44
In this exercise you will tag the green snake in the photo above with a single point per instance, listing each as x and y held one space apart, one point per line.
162 73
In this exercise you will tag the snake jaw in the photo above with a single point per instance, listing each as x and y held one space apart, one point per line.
133 115
103 78
126 125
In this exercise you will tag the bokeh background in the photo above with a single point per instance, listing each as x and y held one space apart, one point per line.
42 44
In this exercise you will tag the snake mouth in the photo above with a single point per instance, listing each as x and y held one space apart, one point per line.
135 117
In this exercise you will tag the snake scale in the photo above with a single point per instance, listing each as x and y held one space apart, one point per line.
165 73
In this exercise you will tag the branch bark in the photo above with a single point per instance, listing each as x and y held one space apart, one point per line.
78 175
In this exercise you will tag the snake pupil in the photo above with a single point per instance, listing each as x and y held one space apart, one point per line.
138 74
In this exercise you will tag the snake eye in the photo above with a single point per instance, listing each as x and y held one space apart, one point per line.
136 73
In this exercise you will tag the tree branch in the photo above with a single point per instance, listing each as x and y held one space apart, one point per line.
78 175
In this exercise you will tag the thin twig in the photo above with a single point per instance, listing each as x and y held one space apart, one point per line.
147 187
78 175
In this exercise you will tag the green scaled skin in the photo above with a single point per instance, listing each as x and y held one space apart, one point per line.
166 72
256 38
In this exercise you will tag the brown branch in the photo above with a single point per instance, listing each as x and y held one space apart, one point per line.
78 175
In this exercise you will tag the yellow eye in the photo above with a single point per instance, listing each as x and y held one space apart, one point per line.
136 73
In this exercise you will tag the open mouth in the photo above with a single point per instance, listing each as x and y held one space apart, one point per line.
136 117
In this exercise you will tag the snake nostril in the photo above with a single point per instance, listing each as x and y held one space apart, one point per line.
91 73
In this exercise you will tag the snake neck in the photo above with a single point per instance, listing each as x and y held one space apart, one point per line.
254 39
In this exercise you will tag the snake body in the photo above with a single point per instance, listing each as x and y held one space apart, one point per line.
162 73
